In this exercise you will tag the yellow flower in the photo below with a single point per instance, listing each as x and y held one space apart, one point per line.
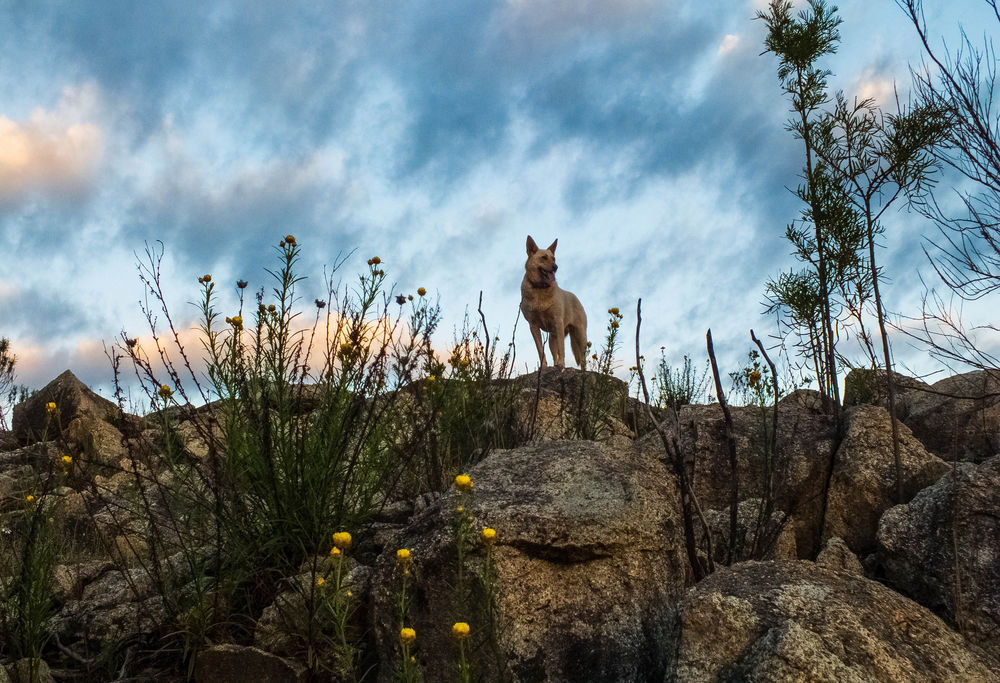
237 321
206 278
30 498
613 311
290 240
464 362
346 348
463 482
166 391
67 459
374 261
403 556
320 581
489 535
334 551
460 509
50 407
272 308
342 540
407 635
421 291
754 378
431 378
460 630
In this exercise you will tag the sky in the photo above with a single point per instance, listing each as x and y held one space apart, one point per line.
648 136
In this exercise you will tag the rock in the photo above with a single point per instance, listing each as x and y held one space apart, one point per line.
837 557
573 404
73 401
943 549
771 539
239 664
30 671
116 605
588 557
284 625
864 386
100 443
957 428
796 621
863 484
69 580
795 476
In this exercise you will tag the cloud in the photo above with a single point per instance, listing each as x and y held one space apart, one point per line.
55 153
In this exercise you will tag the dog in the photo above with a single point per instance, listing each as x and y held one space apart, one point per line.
547 307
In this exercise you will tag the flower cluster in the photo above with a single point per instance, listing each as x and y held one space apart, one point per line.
50 407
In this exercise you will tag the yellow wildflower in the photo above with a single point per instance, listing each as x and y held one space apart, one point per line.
463 482
407 635
206 278
30 498
421 291
50 407
460 630
754 378
290 240
346 348
272 308
342 540
68 459
320 581
613 311
403 556
489 535
334 551
431 378
237 321
166 391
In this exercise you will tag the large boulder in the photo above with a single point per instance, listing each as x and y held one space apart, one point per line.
943 549
959 419
73 400
792 474
86 419
588 558
241 664
863 482
797 621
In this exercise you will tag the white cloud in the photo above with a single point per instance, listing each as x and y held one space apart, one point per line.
728 44
56 152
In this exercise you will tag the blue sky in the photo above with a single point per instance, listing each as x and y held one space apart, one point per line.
647 135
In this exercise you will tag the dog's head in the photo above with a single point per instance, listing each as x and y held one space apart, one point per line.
540 268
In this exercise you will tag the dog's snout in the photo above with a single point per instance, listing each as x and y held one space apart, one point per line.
554 267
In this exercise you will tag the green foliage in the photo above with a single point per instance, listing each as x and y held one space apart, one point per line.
307 427
676 387
600 396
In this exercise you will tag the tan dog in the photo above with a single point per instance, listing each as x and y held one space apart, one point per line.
546 307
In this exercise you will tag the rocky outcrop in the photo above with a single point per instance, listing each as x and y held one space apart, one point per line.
794 473
796 621
862 485
956 418
943 549
588 558
74 401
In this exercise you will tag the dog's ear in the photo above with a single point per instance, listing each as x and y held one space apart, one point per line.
532 247
552 247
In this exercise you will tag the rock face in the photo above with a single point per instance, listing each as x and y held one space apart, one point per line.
588 557
956 418
796 621
943 549
73 400
862 485
795 475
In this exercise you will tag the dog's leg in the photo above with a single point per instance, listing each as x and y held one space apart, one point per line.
536 334
557 345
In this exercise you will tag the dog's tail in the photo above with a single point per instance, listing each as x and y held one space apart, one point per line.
578 341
